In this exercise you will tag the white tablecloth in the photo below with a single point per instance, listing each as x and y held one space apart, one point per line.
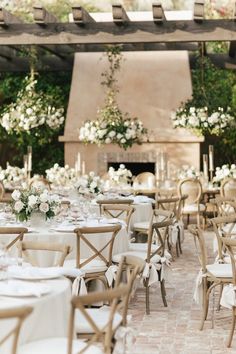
50 316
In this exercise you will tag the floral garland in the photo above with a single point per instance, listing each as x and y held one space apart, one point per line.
31 110
112 126
28 201
224 172
200 121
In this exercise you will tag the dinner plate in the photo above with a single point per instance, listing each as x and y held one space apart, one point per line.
33 273
18 288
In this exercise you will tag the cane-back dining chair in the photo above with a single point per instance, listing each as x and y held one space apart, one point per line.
70 345
228 188
210 275
17 315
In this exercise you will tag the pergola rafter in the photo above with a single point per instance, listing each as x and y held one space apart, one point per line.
62 40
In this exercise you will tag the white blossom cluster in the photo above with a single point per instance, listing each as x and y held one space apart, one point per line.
122 175
199 120
27 201
89 183
224 172
12 176
31 110
187 171
61 176
123 132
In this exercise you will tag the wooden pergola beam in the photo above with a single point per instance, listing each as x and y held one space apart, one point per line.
81 16
7 18
109 33
158 13
42 16
119 14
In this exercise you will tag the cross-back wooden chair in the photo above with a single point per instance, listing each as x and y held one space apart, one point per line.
39 183
17 234
119 211
210 275
228 188
97 264
70 345
154 254
230 245
191 187
27 250
117 201
19 314
132 266
223 206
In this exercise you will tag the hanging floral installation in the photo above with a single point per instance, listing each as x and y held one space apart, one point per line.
112 126
31 110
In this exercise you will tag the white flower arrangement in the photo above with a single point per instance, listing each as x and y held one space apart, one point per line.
200 121
61 176
122 175
89 183
28 201
124 132
12 176
224 171
31 110
187 171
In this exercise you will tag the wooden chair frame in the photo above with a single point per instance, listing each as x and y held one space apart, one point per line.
20 313
19 231
25 246
117 211
223 185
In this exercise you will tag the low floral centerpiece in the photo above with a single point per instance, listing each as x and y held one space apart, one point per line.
201 121
112 126
27 202
223 172
12 176
187 171
120 176
61 176
89 184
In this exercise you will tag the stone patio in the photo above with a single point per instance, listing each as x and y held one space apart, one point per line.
175 329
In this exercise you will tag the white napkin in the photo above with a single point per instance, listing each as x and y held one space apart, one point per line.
41 272
143 199
17 288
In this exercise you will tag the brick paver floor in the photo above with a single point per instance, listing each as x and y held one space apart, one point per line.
175 329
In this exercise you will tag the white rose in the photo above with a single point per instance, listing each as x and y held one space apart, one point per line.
16 194
32 200
43 197
44 207
18 206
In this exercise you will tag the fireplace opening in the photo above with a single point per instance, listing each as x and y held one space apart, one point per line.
135 167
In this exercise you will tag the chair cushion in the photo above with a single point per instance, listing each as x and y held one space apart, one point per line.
193 208
56 346
100 317
141 247
117 257
143 225
95 265
220 270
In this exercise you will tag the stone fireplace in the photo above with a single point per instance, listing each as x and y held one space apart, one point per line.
151 85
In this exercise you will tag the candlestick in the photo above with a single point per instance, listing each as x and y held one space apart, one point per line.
205 165
211 158
78 162
29 153
83 167
25 164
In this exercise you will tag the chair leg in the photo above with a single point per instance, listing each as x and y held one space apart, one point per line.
147 299
221 290
163 292
232 328
205 304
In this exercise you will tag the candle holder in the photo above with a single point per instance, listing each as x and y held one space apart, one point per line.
211 161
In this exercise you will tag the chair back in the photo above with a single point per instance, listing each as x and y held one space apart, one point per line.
115 297
120 211
199 241
228 188
104 253
223 226
18 314
170 204
191 187
224 206
230 245
146 179
102 202
27 248
18 233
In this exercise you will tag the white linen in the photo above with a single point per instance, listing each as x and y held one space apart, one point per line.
17 288
38 273
228 297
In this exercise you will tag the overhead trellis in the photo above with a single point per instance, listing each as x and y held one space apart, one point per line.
56 42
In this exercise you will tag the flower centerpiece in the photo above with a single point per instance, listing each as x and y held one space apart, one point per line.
26 202
31 110
187 171
224 171
89 183
12 176
201 121
112 126
61 176
120 176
